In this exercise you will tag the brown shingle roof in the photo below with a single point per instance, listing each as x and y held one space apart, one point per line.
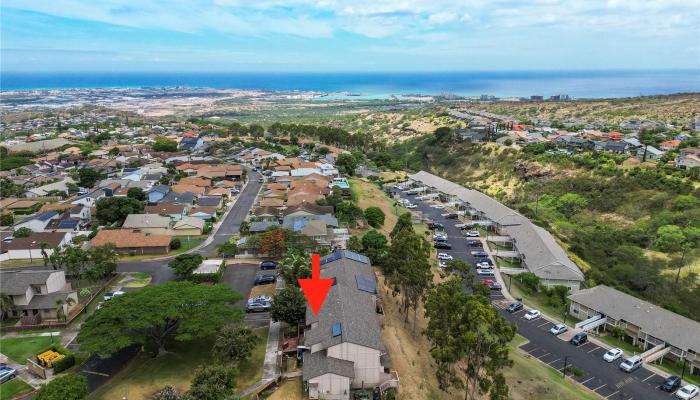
164 209
125 238
188 188
32 241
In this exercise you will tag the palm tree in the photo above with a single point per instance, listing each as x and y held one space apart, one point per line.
6 306
43 246
60 314
295 265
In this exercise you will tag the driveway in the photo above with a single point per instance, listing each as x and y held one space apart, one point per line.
603 378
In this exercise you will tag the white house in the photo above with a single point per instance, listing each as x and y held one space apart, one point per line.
37 222
29 248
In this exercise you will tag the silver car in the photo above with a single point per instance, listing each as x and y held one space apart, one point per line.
7 373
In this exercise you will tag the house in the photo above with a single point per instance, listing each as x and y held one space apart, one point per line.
37 222
89 199
178 198
191 143
221 192
646 325
688 158
617 147
344 341
204 213
316 230
197 190
307 209
175 211
133 242
472 136
271 202
42 191
30 247
573 143
152 224
63 225
194 181
37 294
262 226
210 201
669 144
188 226
650 153
23 206
157 193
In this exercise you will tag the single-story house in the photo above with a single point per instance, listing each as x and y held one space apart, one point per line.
29 248
175 211
178 198
37 222
205 212
210 201
153 224
188 226
157 193
133 242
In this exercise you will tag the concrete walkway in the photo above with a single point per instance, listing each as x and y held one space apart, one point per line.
270 372
23 372
11 335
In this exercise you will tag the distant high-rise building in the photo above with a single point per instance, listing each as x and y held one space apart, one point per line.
536 98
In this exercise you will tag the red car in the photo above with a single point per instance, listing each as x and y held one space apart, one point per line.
487 282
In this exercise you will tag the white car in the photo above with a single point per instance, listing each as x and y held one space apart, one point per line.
558 329
687 392
438 206
612 355
461 226
532 314
440 236
472 234
442 264
484 272
444 256
411 206
484 265
261 298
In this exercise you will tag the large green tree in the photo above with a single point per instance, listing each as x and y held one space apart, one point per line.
116 209
88 177
66 387
212 382
295 264
136 193
374 246
407 268
165 145
185 264
374 216
469 341
346 164
234 343
183 310
289 305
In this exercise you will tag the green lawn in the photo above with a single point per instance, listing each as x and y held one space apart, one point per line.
530 379
626 347
145 375
13 388
19 349
538 301
671 367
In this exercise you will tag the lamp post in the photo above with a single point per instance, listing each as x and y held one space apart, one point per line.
685 362
566 359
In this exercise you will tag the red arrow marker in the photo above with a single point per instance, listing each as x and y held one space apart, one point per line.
316 289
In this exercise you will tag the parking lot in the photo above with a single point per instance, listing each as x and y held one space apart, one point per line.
240 278
588 367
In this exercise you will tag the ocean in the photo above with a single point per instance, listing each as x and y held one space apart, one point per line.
577 84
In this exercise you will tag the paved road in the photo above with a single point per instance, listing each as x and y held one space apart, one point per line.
229 226
603 378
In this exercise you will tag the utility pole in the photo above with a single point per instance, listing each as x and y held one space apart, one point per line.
566 359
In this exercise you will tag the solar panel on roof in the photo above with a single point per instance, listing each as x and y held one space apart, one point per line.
366 284
356 257
337 329
336 255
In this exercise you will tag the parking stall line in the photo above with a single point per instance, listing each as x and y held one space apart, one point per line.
584 382
612 394
650 376
596 348
552 362
544 355
541 325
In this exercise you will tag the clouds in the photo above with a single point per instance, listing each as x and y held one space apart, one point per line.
352 32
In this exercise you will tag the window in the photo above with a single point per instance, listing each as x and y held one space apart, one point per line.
337 329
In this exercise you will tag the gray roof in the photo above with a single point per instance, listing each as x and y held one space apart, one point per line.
146 221
44 301
318 364
160 188
16 282
186 222
670 327
209 201
262 226
178 198
346 304
289 221
542 255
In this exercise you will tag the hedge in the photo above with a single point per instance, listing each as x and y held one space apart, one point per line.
63 364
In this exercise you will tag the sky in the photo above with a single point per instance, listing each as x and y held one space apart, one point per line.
357 35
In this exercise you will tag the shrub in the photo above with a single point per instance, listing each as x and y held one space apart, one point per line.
207 228
374 216
175 244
